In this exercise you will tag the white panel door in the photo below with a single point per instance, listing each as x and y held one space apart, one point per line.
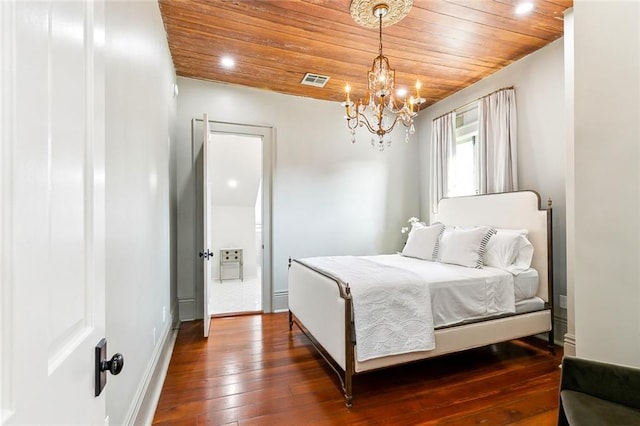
52 211
206 233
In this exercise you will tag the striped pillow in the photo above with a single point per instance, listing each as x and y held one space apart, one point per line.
465 247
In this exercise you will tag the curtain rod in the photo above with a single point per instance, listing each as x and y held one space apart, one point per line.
475 100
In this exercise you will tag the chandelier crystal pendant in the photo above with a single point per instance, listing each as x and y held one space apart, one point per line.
379 110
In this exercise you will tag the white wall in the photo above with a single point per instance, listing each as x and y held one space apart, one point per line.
330 196
539 83
233 227
606 147
140 118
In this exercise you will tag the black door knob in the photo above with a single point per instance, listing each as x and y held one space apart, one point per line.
206 254
114 365
101 365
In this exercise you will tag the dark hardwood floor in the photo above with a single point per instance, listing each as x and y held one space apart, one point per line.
253 371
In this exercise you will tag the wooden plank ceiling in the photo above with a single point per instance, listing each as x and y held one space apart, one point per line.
446 44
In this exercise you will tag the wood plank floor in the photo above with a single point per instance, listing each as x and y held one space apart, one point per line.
253 371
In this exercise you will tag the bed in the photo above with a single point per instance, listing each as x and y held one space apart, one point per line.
511 305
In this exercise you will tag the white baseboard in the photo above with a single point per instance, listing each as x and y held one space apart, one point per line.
146 399
187 309
569 344
280 301
560 329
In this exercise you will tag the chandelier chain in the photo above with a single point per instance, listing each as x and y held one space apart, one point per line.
380 47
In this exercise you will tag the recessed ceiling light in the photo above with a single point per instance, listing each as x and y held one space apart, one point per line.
523 8
232 183
227 62
401 92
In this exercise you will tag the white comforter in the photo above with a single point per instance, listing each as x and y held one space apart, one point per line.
397 300
391 306
459 293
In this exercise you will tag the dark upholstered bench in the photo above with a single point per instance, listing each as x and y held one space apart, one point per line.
597 393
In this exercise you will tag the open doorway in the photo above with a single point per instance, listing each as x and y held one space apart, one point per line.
235 222
219 238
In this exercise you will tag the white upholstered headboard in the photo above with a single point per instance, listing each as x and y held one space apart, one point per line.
514 210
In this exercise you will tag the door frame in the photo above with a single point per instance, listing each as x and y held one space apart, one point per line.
7 40
267 133
205 237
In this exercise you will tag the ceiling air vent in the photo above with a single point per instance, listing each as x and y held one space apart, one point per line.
314 80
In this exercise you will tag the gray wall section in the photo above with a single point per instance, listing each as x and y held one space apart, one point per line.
606 155
140 198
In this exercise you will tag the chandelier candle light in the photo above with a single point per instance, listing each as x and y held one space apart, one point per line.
378 111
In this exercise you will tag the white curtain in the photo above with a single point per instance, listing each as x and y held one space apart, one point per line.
497 142
443 152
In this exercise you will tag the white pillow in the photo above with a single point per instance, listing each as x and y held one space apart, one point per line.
423 241
524 257
465 247
503 247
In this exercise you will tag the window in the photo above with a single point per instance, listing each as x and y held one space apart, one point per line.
474 148
464 179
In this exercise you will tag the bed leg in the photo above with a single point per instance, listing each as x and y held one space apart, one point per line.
290 321
551 343
349 349
348 390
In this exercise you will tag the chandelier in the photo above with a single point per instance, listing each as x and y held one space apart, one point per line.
379 111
